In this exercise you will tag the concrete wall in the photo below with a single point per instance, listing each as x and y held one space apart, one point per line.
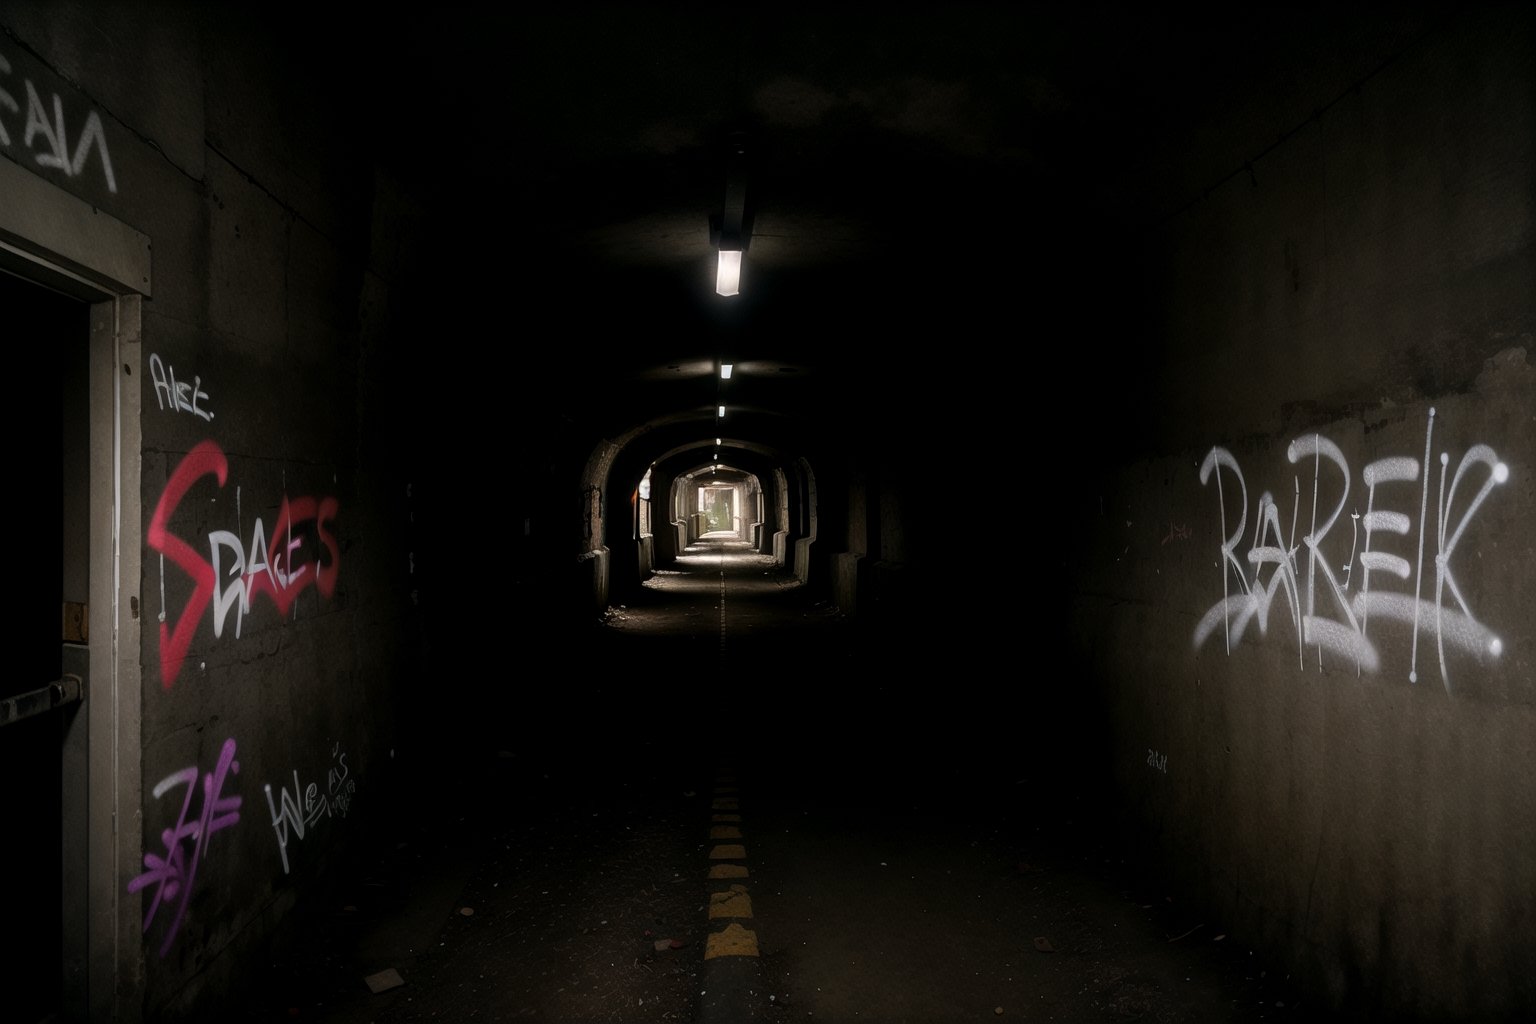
275 563
1304 605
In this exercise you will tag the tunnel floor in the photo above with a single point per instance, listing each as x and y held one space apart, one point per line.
726 739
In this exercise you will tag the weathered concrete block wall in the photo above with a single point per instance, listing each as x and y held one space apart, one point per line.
592 580
847 572
1310 617
275 588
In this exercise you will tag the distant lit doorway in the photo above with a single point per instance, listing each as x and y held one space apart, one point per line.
717 503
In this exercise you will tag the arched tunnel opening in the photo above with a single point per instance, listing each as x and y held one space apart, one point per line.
984 511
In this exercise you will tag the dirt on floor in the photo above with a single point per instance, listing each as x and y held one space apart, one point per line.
553 863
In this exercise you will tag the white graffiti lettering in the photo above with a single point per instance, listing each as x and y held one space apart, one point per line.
176 395
52 133
1320 610
280 571
296 817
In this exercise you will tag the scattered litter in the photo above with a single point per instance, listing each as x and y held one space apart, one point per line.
690 793
1192 931
1220 937
665 944
384 980
998 1010
1043 944
884 864
467 911
1279 1005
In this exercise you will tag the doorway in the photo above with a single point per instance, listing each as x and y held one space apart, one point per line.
72 283
49 446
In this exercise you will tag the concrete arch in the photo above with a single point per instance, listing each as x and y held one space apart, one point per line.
615 557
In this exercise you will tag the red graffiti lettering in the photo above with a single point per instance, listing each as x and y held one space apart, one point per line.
286 578
275 567
206 458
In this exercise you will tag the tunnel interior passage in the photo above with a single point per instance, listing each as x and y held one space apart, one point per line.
682 487
722 502
732 614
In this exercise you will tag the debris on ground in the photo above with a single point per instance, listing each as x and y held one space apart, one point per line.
1187 934
1043 944
384 980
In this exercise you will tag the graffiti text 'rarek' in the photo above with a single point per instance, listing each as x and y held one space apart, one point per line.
1316 601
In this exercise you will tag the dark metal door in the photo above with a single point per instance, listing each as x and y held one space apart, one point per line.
47 337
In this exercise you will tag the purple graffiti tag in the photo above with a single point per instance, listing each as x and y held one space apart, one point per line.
172 874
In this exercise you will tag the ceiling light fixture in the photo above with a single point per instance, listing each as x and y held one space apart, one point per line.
725 370
721 413
730 231
728 273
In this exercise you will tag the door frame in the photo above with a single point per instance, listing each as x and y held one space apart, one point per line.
55 239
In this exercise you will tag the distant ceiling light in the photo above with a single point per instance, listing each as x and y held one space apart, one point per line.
725 370
722 411
717 440
728 278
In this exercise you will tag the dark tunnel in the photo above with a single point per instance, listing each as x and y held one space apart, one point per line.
651 513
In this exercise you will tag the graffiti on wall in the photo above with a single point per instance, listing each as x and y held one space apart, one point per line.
1317 602
172 873
1178 531
234 574
45 134
292 816
176 395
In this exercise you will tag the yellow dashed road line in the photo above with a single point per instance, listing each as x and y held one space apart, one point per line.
734 941
734 902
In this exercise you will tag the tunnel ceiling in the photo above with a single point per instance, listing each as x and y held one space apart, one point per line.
944 198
